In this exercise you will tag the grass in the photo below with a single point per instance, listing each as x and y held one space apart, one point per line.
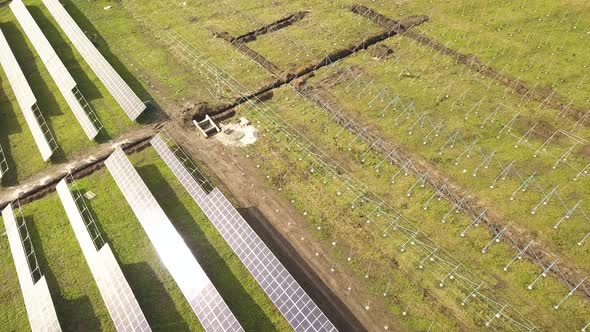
426 75
541 43
189 24
325 207
75 295
508 37
428 80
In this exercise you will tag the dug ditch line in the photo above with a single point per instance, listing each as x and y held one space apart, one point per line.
271 27
284 78
81 166
454 194
546 96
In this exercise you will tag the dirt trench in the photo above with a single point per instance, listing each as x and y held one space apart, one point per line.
388 23
545 95
274 26
286 77
247 51
82 165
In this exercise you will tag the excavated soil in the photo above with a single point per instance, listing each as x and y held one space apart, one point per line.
381 52
274 26
585 151
543 129
247 51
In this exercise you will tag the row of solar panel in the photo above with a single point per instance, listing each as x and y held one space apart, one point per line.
283 290
289 297
36 295
83 112
174 253
26 100
122 305
117 295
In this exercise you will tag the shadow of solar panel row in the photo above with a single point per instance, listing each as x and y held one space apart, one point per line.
26 100
127 99
56 69
284 291
114 289
38 302
202 296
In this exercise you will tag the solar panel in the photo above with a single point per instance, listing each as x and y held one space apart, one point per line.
37 298
116 293
202 296
64 81
3 163
127 99
26 100
284 291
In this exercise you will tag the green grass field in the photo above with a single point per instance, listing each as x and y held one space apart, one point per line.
443 102
313 197
543 43
77 300
417 74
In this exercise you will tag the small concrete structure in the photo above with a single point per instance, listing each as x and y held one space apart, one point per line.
206 126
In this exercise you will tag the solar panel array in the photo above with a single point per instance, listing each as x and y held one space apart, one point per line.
56 69
26 100
284 291
40 309
3 163
116 293
122 93
202 296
